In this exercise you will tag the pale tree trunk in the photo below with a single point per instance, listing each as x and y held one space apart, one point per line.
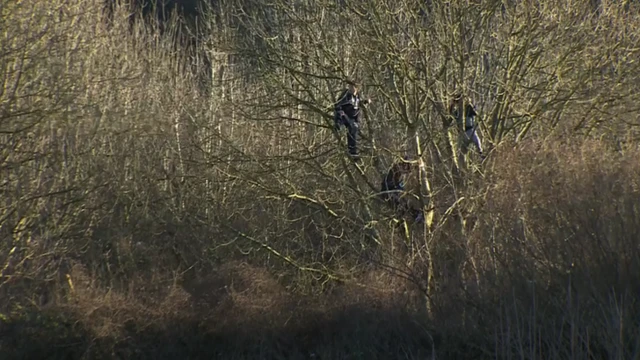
452 135
179 131
177 126
231 119
218 67
219 106
426 203
292 110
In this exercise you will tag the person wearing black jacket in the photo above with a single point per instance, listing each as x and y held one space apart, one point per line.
347 113
466 123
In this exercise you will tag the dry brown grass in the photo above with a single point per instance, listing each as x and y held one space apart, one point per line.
557 250
234 312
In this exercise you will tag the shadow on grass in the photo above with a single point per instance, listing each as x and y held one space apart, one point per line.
239 312
353 332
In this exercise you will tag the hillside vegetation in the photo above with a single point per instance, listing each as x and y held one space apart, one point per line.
148 213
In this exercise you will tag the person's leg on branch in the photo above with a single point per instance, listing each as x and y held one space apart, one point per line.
463 148
413 212
472 135
352 137
402 206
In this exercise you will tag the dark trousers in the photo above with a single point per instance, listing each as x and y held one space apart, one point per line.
353 126
392 195
352 136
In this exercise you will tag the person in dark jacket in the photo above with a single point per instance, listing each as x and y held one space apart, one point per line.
347 113
466 123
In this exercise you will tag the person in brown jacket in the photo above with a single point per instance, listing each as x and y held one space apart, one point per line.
393 189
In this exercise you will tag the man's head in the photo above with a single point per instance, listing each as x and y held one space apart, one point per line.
354 87
406 164
456 96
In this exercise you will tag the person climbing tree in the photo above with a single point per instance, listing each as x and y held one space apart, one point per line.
466 124
393 189
347 113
